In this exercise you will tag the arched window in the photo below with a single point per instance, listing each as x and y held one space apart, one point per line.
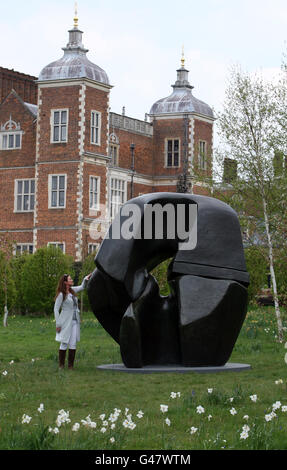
10 135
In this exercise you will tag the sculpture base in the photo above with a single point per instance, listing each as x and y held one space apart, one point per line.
228 367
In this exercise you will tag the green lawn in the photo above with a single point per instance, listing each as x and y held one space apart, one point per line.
33 378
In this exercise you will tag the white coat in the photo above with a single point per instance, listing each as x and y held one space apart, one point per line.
64 319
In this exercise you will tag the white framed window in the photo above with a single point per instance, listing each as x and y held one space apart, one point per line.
10 135
59 125
92 247
60 245
96 119
118 195
24 248
24 195
57 185
114 154
94 193
114 149
202 155
172 152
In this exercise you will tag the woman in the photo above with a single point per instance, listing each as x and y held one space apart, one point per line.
68 321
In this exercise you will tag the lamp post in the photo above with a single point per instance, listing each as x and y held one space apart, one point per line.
132 149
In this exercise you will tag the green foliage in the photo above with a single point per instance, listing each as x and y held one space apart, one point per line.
257 266
40 276
17 265
160 273
280 267
7 283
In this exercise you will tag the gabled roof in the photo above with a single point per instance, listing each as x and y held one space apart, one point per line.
31 108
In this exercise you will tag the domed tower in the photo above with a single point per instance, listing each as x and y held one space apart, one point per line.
183 132
72 147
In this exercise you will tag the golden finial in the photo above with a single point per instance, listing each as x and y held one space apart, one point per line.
76 19
182 57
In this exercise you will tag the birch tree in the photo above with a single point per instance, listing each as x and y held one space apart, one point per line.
250 133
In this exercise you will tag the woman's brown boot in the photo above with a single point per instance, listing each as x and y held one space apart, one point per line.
62 357
71 358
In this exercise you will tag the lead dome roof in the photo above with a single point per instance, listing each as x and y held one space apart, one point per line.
181 100
74 63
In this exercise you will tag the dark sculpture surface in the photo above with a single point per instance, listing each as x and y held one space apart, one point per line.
199 322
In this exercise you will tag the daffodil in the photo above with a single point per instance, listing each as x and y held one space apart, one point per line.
200 409
41 408
26 419
164 408
244 435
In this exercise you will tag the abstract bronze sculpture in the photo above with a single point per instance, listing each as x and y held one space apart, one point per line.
198 324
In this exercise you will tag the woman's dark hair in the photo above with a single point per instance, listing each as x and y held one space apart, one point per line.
62 287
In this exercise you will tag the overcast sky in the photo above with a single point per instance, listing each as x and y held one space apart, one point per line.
139 44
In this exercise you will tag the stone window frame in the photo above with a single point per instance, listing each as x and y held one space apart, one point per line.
94 207
173 139
114 207
58 190
202 155
92 247
114 154
60 125
22 250
114 144
10 129
24 193
56 244
94 128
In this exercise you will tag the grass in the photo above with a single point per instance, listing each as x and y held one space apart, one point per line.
34 378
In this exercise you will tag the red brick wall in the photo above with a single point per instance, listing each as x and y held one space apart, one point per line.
66 236
93 170
166 129
8 219
59 98
96 100
10 160
20 114
203 131
23 84
201 190
86 240
57 217
142 152
17 237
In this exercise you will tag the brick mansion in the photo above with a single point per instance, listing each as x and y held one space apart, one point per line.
64 154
